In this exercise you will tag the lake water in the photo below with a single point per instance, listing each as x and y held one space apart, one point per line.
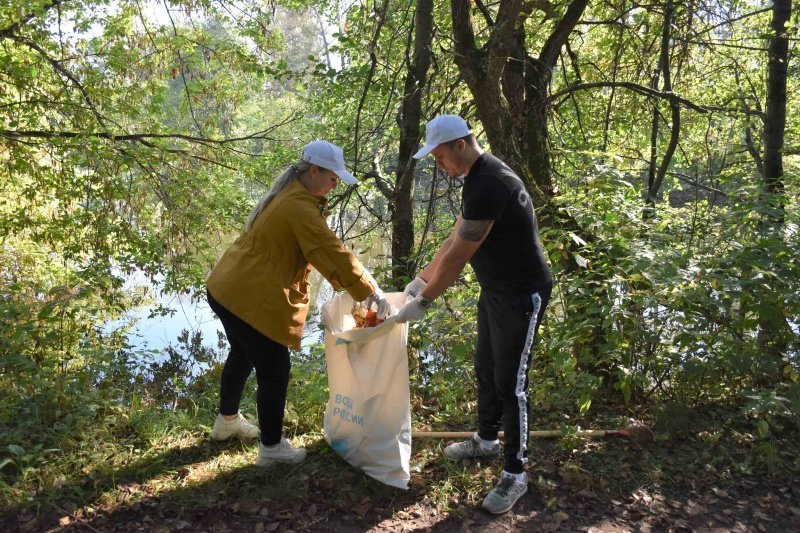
156 332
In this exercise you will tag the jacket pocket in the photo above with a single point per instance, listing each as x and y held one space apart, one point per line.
298 288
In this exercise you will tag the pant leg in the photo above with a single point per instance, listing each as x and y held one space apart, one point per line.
490 409
252 349
514 326
272 375
237 366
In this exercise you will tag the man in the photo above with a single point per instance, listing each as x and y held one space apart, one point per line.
497 234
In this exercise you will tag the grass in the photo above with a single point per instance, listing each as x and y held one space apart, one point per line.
128 461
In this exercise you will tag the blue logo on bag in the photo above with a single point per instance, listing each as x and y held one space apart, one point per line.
339 446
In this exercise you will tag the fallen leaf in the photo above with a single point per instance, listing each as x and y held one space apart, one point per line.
30 525
560 517
259 528
363 508
719 492
795 510
64 520
762 516
720 518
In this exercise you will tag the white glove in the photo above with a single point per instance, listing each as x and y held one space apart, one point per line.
382 306
414 288
412 311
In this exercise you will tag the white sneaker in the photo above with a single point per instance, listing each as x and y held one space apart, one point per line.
224 429
471 449
283 452
505 494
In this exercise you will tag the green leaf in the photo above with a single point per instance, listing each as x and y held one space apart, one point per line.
763 428
16 449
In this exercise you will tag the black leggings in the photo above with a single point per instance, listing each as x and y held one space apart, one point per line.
252 349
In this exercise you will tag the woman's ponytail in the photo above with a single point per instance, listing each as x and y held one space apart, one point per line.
280 183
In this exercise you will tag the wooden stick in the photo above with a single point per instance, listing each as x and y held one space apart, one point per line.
591 433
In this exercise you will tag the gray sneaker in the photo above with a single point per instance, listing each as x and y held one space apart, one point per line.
505 494
471 449
224 429
283 452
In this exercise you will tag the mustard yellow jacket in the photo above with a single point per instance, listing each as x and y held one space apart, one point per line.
263 276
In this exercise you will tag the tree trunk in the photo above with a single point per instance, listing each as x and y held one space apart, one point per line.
536 139
656 174
409 122
770 338
775 121
520 141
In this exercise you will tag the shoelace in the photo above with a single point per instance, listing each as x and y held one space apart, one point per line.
504 487
474 447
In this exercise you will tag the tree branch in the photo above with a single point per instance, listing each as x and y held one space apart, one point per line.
58 67
137 137
10 31
485 12
552 48
373 60
385 187
633 87
687 179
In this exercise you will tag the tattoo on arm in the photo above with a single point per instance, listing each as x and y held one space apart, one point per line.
473 230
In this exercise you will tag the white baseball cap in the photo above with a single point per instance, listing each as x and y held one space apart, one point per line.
440 130
330 157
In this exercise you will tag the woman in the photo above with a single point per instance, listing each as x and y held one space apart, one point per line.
259 290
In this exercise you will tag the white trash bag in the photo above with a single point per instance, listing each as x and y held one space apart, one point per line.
368 416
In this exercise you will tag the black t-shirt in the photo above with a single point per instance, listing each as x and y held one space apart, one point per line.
511 259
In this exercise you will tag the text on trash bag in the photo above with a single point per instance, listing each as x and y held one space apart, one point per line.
344 412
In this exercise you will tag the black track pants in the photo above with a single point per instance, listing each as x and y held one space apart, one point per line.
252 349
507 327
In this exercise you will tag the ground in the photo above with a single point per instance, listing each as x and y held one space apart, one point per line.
702 473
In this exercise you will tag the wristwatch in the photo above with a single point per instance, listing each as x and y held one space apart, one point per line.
425 303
